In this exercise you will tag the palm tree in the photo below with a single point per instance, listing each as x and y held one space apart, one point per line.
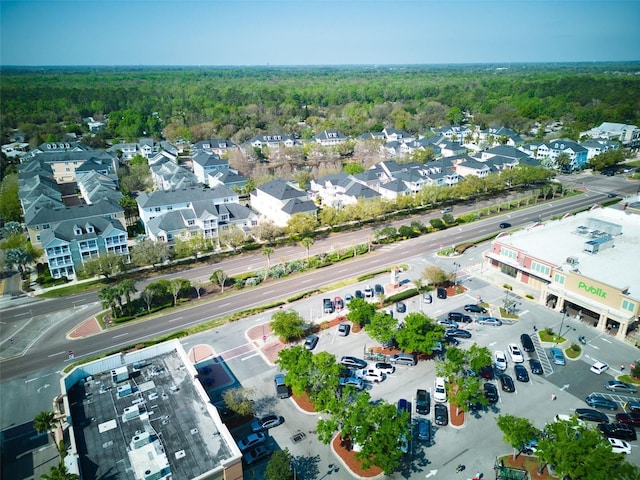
59 473
307 242
18 257
127 288
108 296
267 251
45 421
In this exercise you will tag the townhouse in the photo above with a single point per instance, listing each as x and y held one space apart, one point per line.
278 201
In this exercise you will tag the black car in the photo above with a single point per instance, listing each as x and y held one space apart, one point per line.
521 373
475 405
458 332
401 307
486 372
473 308
599 401
441 414
591 415
359 294
505 225
535 366
311 342
423 402
459 317
618 430
491 392
378 289
441 293
632 418
527 343
507 383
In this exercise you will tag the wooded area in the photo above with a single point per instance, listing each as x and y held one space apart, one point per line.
237 103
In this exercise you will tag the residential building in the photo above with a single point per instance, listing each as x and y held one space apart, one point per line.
65 158
205 163
454 132
278 201
273 142
548 152
500 134
169 215
168 175
218 146
329 138
573 264
340 189
95 186
146 414
597 146
628 135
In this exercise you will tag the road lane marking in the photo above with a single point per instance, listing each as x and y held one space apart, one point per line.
21 314
55 354
121 335
249 356
175 319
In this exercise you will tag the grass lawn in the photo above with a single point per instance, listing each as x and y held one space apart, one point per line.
73 289
550 337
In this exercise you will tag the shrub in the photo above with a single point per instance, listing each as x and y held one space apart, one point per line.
506 286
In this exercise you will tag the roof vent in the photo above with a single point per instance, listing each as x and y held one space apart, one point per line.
572 261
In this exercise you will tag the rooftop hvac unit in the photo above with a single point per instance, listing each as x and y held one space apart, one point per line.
572 261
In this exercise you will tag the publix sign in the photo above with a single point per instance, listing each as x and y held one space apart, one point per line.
597 291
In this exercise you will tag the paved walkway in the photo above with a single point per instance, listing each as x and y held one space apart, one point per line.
89 327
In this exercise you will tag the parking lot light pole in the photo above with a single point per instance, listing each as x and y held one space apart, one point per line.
455 273
564 314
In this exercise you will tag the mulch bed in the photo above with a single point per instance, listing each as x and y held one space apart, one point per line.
528 463
349 458
305 403
455 418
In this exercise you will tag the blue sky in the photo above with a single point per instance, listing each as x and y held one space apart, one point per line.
325 32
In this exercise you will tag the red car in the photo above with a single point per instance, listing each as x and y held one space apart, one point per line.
338 303
632 418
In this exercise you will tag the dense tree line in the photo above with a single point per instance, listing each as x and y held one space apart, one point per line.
240 102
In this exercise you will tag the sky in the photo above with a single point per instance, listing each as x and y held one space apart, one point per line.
316 32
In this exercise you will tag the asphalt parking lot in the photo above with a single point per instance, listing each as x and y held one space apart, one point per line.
478 442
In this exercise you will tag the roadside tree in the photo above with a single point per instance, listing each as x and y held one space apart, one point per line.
436 276
178 286
106 264
360 311
517 431
419 333
288 325
149 252
220 278
301 224
279 466
381 327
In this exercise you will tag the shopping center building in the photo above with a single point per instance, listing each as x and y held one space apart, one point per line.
586 264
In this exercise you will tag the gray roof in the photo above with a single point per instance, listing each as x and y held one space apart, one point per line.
216 143
172 221
99 186
168 197
295 205
507 151
209 159
77 212
229 177
358 190
280 189
395 185
66 230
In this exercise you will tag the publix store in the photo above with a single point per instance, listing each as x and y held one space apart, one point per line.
584 264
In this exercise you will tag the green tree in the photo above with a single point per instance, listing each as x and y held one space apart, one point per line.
45 422
267 231
267 251
149 252
59 472
19 258
455 116
126 288
303 178
307 243
563 161
578 452
360 311
296 361
353 168
436 276
10 207
108 296
419 333
279 466
219 278
287 324
240 400
301 224
516 431
106 264
232 237
381 327
178 286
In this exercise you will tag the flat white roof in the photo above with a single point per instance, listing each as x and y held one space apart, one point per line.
556 241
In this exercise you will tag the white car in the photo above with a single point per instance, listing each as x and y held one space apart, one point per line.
440 390
385 368
599 367
368 291
515 353
371 375
500 359
619 446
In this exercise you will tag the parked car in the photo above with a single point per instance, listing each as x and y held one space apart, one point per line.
344 329
458 332
338 303
459 317
348 297
507 383
500 359
474 308
527 343
359 294
557 356
521 373
591 415
404 405
491 392
441 292
599 367
424 430
266 422
251 441
368 291
352 381
441 414
439 390
535 366
282 390
505 225
619 446
371 375
353 362
311 341
327 305
598 401
427 298
446 323
403 359
633 406
401 307
491 321
423 402
618 430
378 289
261 451
515 353
632 418
618 386
385 368
486 372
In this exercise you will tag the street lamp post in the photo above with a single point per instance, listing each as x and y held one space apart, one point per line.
455 273
564 314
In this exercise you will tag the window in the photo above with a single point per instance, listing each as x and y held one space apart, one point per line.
629 306
45 226
157 209
505 252
38 238
169 208
540 268
559 279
